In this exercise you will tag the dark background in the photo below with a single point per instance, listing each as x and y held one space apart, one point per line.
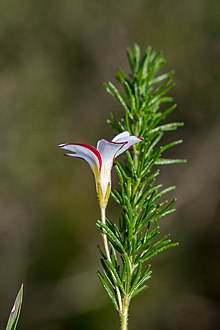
54 57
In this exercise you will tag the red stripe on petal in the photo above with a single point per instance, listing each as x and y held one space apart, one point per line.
88 146
113 142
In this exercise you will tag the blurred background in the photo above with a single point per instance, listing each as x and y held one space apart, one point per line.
54 57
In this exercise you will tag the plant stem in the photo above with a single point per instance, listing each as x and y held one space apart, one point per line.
105 241
124 313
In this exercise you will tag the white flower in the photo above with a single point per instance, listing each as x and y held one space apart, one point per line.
101 159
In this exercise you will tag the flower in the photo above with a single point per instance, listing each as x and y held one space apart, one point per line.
101 159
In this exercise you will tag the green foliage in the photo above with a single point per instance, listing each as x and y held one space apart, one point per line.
145 101
15 312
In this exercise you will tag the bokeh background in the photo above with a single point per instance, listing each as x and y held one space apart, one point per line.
54 57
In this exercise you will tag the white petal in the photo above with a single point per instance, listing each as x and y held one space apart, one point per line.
108 151
131 140
121 137
90 154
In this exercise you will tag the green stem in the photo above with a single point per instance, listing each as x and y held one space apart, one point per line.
124 313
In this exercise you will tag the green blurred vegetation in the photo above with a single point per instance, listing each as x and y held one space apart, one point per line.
54 57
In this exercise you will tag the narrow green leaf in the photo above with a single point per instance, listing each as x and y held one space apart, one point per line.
167 127
112 90
136 58
161 78
117 196
120 75
108 290
164 161
111 236
126 273
162 249
130 58
146 276
116 275
136 276
137 291
15 312
170 145
101 252
114 258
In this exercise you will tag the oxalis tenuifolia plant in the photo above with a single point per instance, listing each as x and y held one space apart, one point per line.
129 244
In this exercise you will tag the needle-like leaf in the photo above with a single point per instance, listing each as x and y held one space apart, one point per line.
15 312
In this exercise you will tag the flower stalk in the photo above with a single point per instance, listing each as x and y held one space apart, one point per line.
107 252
